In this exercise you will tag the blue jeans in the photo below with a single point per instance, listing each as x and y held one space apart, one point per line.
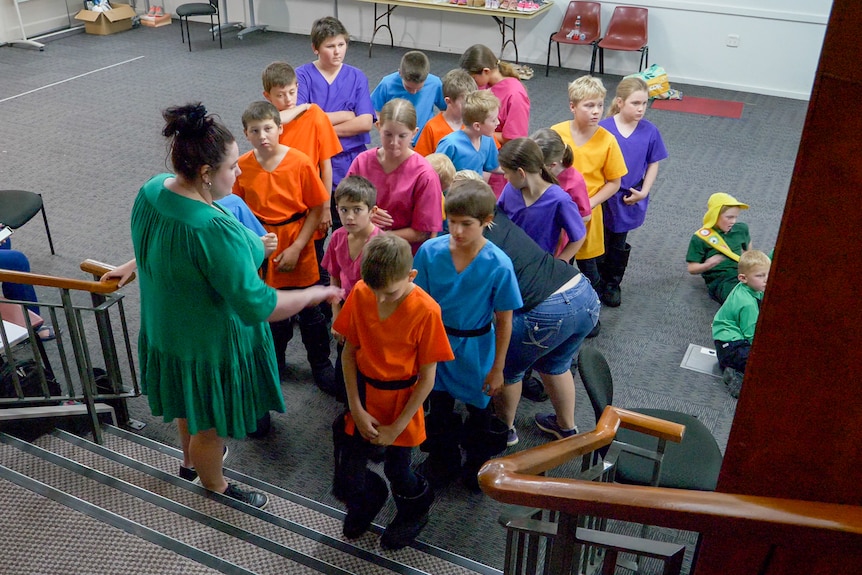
548 336
17 262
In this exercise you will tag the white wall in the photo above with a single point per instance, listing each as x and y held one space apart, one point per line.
780 40
39 17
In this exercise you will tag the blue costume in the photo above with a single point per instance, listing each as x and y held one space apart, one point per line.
468 301
235 205
424 101
460 150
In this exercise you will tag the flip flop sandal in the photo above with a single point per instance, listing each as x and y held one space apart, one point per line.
49 336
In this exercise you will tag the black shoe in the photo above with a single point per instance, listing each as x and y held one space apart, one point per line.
324 379
440 470
596 330
364 507
612 296
411 517
733 380
247 496
264 425
189 473
533 389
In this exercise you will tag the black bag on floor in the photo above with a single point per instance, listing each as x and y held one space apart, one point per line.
28 376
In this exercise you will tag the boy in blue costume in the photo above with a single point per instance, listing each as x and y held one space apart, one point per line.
475 285
414 83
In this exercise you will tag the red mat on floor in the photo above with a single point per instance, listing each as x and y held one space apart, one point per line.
702 106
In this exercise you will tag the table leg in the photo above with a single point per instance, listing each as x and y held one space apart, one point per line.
253 27
377 26
226 25
504 27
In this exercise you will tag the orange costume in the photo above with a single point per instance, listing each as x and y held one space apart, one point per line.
434 131
312 134
393 350
276 197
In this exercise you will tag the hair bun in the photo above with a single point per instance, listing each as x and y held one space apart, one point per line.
192 121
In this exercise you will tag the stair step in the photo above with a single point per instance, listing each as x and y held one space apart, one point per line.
266 524
304 513
157 512
65 544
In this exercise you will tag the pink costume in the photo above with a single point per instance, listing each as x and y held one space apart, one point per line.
338 263
411 193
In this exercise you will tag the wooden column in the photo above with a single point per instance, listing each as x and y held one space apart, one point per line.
798 426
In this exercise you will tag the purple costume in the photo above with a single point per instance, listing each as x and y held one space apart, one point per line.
543 220
348 91
642 147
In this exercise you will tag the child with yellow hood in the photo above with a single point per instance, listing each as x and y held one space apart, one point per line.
714 249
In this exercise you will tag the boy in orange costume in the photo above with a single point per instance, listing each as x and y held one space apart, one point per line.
307 128
283 189
394 337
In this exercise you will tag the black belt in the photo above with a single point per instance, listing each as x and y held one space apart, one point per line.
468 332
290 220
385 385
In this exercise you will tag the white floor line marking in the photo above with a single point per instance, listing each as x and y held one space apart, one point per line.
70 79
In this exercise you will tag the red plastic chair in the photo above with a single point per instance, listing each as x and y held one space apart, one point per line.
627 32
591 28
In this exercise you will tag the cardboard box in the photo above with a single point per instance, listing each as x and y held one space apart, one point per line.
110 22
156 21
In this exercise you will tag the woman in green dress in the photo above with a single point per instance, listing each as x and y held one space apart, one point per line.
205 348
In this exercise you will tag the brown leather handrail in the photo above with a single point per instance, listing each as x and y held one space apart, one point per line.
512 479
89 266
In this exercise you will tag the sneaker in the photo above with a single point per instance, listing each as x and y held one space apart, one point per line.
533 389
547 422
189 473
511 437
247 496
733 380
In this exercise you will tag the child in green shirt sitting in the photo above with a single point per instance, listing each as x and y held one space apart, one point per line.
733 326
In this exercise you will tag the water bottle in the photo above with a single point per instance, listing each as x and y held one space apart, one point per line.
577 30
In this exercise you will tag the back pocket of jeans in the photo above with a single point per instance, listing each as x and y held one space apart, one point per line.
540 333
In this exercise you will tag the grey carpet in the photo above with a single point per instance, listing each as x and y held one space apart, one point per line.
88 144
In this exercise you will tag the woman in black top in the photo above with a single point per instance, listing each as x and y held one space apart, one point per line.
560 309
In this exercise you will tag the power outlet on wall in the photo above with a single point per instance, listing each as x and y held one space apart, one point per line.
733 40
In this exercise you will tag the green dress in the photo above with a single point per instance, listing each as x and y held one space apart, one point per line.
204 348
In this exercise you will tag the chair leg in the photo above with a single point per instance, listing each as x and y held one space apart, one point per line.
212 28
47 229
601 60
182 32
559 59
548 61
218 21
593 59
189 33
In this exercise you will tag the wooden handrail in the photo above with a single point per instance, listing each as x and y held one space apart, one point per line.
512 479
99 269
65 283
